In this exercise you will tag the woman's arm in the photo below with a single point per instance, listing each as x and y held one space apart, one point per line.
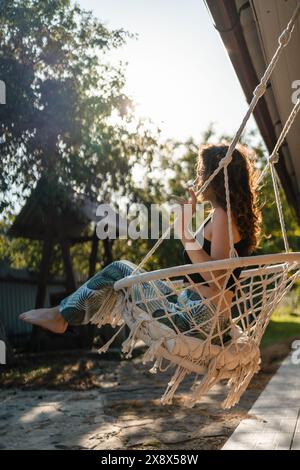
219 243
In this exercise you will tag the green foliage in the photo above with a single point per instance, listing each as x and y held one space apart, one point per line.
19 252
272 240
285 321
67 120
66 116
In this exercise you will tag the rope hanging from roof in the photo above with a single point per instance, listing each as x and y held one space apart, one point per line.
226 345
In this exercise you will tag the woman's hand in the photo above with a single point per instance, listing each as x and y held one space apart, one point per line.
184 214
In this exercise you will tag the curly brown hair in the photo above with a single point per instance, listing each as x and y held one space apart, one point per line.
243 196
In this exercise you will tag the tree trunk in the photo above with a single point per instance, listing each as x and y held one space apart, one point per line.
93 255
42 287
85 333
44 272
70 278
91 329
108 256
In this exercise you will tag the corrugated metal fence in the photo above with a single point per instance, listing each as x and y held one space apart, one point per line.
16 296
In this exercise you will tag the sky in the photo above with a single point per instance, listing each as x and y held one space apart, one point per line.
178 71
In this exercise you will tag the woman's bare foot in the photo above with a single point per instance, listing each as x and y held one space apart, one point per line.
48 318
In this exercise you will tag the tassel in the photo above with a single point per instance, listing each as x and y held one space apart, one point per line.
152 351
174 383
110 310
156 366
105 347
129 343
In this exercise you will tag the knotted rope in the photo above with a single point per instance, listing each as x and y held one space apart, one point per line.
259 91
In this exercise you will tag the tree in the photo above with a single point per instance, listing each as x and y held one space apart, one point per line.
66 115
67 118
67 121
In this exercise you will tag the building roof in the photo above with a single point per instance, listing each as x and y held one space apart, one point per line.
50 208
250 31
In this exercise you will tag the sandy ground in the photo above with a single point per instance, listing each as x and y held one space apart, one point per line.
87 402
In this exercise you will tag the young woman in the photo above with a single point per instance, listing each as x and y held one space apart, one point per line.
188 308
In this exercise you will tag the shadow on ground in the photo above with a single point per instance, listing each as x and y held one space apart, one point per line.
81 400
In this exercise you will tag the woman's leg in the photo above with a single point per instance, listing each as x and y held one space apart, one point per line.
77 308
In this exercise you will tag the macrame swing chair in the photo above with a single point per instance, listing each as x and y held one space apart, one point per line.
263 282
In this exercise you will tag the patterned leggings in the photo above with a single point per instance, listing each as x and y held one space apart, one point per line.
186 310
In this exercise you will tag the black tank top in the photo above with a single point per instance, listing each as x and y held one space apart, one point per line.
241 249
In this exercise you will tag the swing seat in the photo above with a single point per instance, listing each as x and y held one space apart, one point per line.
263 282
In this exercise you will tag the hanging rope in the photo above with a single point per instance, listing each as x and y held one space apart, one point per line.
274 157
233 253
279 208
259 91
272 160
213 336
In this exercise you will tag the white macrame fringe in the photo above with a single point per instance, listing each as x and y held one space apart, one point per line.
238 369
235 361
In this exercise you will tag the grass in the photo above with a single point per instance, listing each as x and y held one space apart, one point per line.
285 321
282 328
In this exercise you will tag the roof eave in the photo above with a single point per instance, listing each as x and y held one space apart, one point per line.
226 18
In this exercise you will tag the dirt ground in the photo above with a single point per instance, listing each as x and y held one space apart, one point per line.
76 400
